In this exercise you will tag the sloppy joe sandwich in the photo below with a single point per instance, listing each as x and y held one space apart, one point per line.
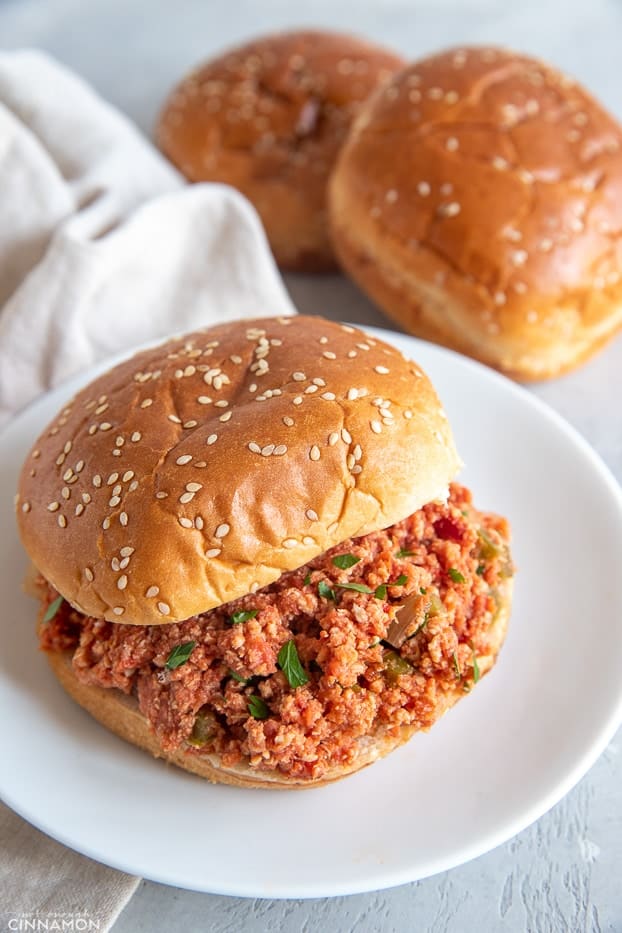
251 557
478 200
269 117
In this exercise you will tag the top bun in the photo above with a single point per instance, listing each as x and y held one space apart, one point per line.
269 118
479 201
201 470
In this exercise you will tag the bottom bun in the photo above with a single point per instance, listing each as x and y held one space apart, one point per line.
119 713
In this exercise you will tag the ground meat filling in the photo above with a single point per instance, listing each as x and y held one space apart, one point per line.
231 698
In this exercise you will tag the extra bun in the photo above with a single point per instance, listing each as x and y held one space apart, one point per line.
478 200
269 118
201 470
119 713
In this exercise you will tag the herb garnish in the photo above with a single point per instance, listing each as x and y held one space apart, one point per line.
422 590
240 680
179 655
323 589
381 591
52 609
401 580
289 662
480 569
307 580
257 708
345 561
455 575
404 552
243 616
456 666
476 673
357 587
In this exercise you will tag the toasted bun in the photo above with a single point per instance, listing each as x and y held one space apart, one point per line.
201 470
269 118
478 200
119 713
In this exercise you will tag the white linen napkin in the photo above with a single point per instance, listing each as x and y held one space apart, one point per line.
102 247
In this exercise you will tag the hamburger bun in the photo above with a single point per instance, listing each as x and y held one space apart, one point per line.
202 469
268 118
478 201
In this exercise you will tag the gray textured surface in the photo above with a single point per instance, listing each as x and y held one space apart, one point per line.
564 874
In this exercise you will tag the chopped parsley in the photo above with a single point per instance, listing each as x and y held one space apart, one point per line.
401 580
179 655
455 575
52 609
243 616
324 590
454 658
480 569
307 580
381 591
422 590
257 707
476 671
240 680
404 552
345 561
357 587
289 662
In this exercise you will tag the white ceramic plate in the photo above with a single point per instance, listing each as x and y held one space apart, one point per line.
494 764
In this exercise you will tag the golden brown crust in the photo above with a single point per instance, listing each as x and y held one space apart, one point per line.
201 470
477 200
269 118
120 714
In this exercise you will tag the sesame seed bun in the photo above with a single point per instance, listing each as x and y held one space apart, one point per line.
269 118
478 201
119 713
201 470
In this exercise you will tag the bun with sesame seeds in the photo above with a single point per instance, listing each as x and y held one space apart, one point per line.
268 118
201 470
478 200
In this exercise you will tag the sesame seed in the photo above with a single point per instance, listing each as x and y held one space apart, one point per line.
92 429
452 144
545 245
65 492
60 459
288 421
333 437
204 400
391 196
500 164
26 507
221 403
164 608
118 610
67 474
185 522
222 531
194 487
53 506
174 419
298 400
211 439
298 377
375 426
267 450
114 501
126 551
312 515
346 437
452 209
88 573
520 288
227 415
408 414
112 479
329 355
350 461
120 441
280 450
186 497
358 452
310 390
500 298
323 340
213 552
62 521
357 469
181 461
319 381
519 257
152 591
133 485
290 542
136 436
105 426
146 402
79 509
106 523
329 396
123 518
116 452
424 189
122 582
198 523
161 495
352 395
314 453
381 370
255 448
